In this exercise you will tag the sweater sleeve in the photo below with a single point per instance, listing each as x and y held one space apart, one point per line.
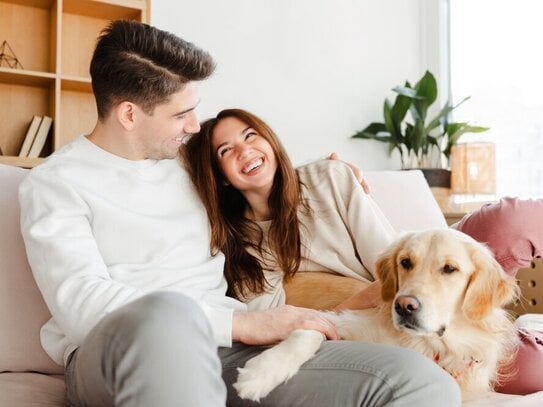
371 231
221 323
64 257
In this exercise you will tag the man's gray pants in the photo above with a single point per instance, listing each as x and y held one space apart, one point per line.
159 351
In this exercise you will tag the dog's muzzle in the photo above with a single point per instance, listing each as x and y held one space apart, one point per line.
407 308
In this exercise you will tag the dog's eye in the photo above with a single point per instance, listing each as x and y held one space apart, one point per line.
448 269
406 263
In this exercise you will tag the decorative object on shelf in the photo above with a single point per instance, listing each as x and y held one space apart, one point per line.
8 56
1 152
30 136
41 137
473 169
421 142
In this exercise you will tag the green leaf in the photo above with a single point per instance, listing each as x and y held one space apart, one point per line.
383 138
462 101
387 114
440 118
408 138
433 141
407 92
400 108
419 136
370 136
455 130
373 128
426 88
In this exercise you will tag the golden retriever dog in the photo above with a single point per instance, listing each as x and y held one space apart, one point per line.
443 296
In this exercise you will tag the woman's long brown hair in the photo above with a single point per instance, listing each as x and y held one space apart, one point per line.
231 232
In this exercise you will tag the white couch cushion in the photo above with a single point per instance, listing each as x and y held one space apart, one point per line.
406 199
22 310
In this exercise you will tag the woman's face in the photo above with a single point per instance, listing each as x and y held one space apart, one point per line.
246 159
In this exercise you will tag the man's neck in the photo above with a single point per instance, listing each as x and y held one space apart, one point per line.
113 140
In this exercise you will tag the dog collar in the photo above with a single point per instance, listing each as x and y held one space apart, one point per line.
457 373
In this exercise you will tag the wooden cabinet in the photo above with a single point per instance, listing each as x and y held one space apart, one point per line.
53 40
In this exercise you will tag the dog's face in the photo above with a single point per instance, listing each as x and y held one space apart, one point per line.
436 276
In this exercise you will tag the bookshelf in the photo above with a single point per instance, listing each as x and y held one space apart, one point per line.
54 41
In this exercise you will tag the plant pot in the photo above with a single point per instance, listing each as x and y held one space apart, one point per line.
437 177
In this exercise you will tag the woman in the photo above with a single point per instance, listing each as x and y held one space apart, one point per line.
272 221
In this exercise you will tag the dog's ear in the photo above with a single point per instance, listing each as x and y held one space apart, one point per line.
489 286
387 271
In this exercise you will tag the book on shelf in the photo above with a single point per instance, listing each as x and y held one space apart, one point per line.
30 135
41 137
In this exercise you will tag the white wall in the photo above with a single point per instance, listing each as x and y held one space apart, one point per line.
315 70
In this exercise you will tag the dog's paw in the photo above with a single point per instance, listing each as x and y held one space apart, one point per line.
276 365
260 375
252 384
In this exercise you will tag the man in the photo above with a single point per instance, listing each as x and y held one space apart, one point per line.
119 246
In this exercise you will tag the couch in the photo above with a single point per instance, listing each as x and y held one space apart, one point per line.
28 377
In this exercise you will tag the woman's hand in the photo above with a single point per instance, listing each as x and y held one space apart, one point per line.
368 297
275 324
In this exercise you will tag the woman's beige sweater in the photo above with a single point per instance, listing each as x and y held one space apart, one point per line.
343 233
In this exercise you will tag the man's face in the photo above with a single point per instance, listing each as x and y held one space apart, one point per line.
160 135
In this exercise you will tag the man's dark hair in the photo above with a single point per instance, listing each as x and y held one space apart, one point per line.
142 64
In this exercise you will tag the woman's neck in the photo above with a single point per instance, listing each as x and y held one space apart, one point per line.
258 208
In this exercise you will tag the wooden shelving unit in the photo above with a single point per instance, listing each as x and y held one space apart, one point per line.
54 41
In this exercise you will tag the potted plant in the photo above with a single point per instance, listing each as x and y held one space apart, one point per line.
422 142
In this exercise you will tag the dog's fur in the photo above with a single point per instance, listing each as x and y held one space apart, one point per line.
443 295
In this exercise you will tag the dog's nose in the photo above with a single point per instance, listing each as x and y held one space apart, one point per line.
406 306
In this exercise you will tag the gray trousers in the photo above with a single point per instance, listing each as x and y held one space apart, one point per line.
156 351
159 351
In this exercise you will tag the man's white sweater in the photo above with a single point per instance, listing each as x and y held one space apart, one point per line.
101 231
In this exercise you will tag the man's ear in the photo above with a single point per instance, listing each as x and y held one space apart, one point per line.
125 112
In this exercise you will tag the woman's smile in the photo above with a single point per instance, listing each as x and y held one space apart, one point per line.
253 166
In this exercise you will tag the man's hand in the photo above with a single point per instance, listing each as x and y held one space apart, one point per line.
356 171
275 324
